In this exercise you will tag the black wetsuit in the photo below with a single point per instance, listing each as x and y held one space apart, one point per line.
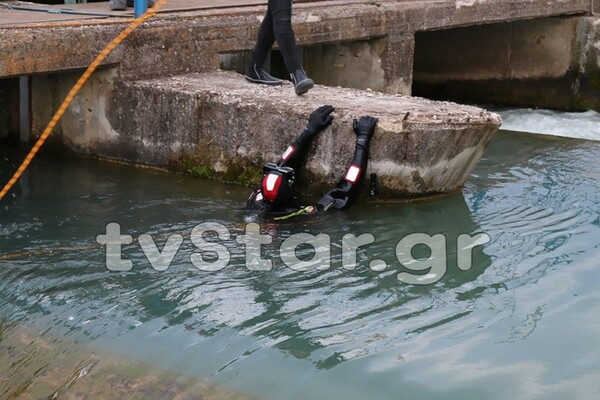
340 197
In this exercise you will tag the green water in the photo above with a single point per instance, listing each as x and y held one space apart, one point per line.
522 323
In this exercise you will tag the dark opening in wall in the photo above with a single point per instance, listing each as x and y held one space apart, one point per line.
9 109
522 63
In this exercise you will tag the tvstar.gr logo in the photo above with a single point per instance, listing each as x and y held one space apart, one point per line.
212 255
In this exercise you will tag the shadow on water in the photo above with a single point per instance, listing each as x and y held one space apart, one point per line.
492 331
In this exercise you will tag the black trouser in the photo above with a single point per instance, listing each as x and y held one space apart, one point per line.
277 25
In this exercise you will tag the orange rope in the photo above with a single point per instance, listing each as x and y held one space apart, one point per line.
74 90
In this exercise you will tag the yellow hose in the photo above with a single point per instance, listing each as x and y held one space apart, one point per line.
74 90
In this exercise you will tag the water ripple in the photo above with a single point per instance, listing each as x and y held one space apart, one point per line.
538 200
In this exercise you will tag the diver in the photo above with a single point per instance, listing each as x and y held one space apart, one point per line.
276 191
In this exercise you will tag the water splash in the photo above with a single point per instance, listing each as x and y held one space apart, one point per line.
579 125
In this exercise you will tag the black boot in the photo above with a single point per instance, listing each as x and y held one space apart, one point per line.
302 83
255 74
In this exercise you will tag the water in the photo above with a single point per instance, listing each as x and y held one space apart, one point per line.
582 125
521 323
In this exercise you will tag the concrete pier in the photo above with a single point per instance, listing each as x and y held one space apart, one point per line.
217 125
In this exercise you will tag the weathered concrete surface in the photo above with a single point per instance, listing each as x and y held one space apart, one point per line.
193 41
351 43
85 121
221 122
356 64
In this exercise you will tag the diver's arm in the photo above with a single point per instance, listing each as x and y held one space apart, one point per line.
296 152
349 185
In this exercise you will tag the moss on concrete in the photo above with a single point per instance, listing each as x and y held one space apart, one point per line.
201 163
208 162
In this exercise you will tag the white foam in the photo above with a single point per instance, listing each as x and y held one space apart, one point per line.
580 125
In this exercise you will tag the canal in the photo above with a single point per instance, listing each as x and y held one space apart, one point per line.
521 322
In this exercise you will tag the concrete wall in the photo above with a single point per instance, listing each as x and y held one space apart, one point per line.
4 109
86 120
353 64
192 42
545 63
357 65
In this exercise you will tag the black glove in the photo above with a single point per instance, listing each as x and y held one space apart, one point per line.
319 119
365 126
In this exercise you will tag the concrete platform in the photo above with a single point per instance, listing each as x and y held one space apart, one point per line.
219 124
173 42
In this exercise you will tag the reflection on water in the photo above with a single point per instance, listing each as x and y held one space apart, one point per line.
521 323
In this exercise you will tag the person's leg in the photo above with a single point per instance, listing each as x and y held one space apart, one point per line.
281 11
255 72
265 41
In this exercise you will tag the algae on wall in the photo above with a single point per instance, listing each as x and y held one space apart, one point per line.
209 162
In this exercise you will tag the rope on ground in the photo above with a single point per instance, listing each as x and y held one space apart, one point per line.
74 90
